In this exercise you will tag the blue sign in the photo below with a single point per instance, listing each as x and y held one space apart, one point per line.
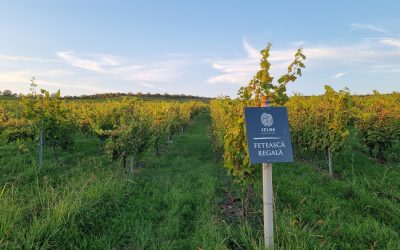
268 135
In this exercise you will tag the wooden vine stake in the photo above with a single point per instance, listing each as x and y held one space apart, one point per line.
268 208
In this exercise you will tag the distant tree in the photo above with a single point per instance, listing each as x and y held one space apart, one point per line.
7 92
33 86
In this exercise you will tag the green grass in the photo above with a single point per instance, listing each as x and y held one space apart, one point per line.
358 209
89 202
184 199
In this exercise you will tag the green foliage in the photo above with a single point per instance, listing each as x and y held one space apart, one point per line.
377 119
262 83
229 135
12 126
228 115
128 127
131 139
319 123
46 112
105 117
109 118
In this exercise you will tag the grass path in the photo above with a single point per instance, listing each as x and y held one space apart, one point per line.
173 204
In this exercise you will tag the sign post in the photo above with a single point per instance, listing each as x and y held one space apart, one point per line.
268 207
268 141
268 198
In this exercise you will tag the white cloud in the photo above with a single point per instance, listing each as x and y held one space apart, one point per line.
241 70
390 41
160 71
97 64
339 75
154 71
236 78
22 59
82 73
15 58
148 85
251 51
19 76
363 26
362 57
383 69
19 81
152 86
75 86
78 73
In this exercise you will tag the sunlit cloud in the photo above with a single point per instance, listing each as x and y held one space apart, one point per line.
15 58
250 50
158 71
390 41
22 59
339 75
92 73
19 81
363 57
345 73
85 73
241 70
95 64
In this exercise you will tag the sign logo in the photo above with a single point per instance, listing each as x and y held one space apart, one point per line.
267 120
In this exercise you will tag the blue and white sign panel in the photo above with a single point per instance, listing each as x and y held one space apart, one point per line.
268 135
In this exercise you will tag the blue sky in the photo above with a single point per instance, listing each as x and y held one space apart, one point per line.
206 48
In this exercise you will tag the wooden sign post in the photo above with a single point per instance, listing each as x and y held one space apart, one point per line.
268 208
268 197
268 141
